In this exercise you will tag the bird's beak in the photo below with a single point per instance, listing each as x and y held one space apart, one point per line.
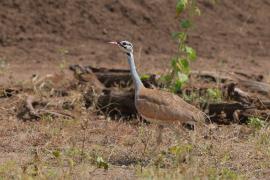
113 42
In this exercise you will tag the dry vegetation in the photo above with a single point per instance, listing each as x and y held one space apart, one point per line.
60 138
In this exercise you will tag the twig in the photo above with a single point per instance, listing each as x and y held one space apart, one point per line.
60 114
38 113
29 106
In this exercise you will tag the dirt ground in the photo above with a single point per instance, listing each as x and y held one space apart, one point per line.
46 36
231 35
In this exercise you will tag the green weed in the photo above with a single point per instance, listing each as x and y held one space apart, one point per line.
9 170
255 122
180 64
145 77
224 173
214 95
229 174
101 163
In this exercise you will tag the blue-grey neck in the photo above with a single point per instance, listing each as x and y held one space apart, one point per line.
136 78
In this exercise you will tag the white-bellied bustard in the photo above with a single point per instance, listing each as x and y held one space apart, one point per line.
157 106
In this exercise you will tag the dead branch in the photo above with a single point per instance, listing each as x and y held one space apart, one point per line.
33 109
237 94
113 102
109 77
213 76
56 114
86 76
238 78
29 106
255 86
227 108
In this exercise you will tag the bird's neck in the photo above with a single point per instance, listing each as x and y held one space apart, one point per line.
136 78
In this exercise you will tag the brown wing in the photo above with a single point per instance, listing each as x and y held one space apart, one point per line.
164 106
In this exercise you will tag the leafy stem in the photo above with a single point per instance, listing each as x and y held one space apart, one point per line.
180 64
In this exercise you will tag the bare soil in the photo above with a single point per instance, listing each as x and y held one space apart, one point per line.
45 36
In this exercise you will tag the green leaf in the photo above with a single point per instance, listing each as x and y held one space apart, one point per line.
165 79
181 6
214 94
180 65
194 10
101 163
184 65
182 36
145 77
191 53
56 153
255 122
179 82
174 149
186 23
177 150
175 65
177 85
183 78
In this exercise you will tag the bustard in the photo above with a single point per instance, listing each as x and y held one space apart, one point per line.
157 106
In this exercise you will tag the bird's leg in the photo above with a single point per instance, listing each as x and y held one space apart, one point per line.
159 134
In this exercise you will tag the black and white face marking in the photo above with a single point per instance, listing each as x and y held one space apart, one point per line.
125 46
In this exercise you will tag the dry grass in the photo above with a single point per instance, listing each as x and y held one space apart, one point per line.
92 146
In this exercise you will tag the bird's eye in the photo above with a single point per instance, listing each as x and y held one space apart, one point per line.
124 43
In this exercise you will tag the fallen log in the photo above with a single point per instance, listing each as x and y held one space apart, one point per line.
249 76
213 76
111 77
266 104
227 108
87 77
113 103
255 86
227 113
262 114
237 94
238 78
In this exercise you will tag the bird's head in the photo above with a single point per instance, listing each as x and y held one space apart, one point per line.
125 46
